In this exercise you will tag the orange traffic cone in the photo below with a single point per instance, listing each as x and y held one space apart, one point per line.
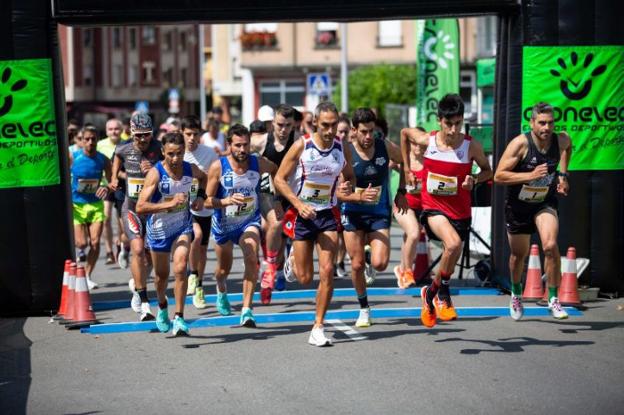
533 289
423 260
63 305
83 312
68 314
568 289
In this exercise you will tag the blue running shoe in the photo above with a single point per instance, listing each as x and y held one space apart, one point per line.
180 328
162 320
280 281
247 318
223 304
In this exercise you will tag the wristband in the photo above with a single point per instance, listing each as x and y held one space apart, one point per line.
562 174
201 193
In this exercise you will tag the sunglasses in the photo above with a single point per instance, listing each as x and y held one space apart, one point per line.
142 135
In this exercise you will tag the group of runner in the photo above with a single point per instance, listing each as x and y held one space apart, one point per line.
271 187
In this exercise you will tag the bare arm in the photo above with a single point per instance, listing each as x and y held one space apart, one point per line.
410 137
285 170
565 153
114 182
479 157
514 153
258 143
267 166
213 178
144 206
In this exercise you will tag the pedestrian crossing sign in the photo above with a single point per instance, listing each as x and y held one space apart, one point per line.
319 84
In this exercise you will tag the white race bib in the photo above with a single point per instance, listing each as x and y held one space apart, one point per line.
533 194
88 185
377 198
440 185
247 208
315 193
194 188
135 185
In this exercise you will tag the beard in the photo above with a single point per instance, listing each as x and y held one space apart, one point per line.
240 157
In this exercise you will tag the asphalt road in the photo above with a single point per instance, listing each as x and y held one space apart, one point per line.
481 364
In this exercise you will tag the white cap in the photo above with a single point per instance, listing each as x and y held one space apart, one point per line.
266 113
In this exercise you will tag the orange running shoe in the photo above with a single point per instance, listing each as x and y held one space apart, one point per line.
400 277
427 313
408 278
445 309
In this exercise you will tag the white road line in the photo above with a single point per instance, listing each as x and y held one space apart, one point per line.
349 331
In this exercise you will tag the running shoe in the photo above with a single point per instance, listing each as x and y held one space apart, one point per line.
110 258
192 284
399 276
131 285
427 312
369 274
199 301
317 337
288 270
135 303
91 285
122 259
82 256
162 320
340 271
180 328
146 312
444 308
556 310
223 304
247 318
280 281
265 295
408 277
516 309
364 319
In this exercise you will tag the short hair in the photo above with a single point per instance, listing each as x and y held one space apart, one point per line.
325 106
212 124
344 119
285 111
541 108
115 120
173 138
363 116
451 105
190 122
257 127
298 115
73 121
237 129
89 128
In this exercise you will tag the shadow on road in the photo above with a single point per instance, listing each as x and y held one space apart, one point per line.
259 333
513 344
15 367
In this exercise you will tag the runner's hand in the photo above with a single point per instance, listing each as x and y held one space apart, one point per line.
369 194
468 183
101 192
198 204
563 187
345 188
235 199
114 184
400 203
145 166
540 171
178 201
410 179
305 211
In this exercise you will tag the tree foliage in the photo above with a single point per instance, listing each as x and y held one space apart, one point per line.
375 86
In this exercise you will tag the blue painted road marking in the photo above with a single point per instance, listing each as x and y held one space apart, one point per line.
308 316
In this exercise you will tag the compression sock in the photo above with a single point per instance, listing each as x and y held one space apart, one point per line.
143 295
432 291
516 289
363 300
552 292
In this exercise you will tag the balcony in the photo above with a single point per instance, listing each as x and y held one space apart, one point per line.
252 41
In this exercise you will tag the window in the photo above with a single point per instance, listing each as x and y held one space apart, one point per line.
326 34
261 27
486 36
390 33
149 35
133 74
167 41
87 75
117 75
148 72
183 41
274 93
87 37
117 37
132 40
468 92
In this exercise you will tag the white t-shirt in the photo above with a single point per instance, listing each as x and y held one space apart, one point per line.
202 157
217 143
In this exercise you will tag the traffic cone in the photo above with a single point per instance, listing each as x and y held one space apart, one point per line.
533 289
63 305
568 289
423 260
83 312
69 313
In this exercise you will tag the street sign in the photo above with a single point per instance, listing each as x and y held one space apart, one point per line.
174 101
141 106
319 84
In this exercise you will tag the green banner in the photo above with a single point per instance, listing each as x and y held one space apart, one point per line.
585 84
438 67
486 72
28 146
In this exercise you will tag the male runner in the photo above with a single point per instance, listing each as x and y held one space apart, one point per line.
344 135
273 146
165 199
107 147
87 165
201 156
446 215
529 167
136 157
233 188
366 213
317 161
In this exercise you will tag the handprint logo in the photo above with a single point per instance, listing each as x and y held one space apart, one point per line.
8 100
574 83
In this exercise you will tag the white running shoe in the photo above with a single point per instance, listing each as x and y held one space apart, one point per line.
131 285
364 319
340 271
369 274
122 259
91 285
288 270
192 284
135 303
516 309
556 310
317 337
146 312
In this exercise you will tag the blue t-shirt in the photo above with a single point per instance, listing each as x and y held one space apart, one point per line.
86 173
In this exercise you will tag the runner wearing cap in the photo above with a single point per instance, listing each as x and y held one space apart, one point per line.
266 115
136 158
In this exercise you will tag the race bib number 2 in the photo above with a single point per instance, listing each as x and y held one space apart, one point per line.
440 185
315 193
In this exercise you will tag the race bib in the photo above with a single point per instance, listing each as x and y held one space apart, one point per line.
377 198
179 208
247 208
135 185
315 193
88 185
533 194
414 190
440 185
194 189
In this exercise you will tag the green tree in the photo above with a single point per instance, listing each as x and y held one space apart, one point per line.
375 86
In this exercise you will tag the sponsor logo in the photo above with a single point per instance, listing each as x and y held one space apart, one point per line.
7 101
576 80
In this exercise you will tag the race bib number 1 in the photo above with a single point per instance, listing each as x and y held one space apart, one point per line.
440 185
315 193
135 185
533 194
